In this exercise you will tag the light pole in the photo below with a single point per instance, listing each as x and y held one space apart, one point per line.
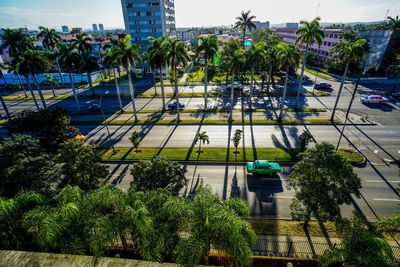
106 124
351 103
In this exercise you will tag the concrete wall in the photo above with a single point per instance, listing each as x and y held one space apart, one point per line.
10 258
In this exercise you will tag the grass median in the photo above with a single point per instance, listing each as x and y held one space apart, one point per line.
210 122
217 154
208 154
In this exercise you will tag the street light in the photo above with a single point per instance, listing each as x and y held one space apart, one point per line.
104 119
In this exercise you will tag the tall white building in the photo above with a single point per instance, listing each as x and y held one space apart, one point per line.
145 18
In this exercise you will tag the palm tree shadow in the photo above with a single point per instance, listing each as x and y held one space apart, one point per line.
235 189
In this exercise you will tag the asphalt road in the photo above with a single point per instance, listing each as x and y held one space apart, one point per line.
269 197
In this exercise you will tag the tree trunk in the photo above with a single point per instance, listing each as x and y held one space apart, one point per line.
89 75
301 77
177 95
252 86
205 84
52 89
118 93
39 91
132 91
32 93
284 94
162 89
74 92
155 84
22 85
269 78
340 90
59 72
4 78
5 107
232 88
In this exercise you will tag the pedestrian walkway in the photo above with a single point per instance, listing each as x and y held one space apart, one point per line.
301 247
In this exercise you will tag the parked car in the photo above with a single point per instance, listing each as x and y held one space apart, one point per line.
374 99
322 86
396 95
263 167
94 107
236 85
175 105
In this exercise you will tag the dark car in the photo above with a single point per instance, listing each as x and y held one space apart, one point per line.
175 105
94 107
396 95
322 86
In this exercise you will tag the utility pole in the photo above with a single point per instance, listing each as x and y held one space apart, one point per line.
351 103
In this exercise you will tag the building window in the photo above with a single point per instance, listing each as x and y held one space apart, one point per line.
129 5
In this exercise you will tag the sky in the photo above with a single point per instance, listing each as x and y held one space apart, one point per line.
191 13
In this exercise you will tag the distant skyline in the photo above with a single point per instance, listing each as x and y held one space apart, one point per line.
191 13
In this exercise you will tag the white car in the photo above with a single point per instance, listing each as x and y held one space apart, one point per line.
236 85
374 99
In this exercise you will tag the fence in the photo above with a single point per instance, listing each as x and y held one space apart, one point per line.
267 246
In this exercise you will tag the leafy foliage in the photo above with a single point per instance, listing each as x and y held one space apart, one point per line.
237 137
25 166
216 224
323 180
135 139
305 138
158 173
361 245
83 166
51 126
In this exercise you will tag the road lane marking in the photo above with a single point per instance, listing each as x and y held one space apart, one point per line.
381 181
386 199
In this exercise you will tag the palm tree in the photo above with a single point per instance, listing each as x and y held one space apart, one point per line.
13 67
311 33
110 59
270 59
81 42
207 46
12 231
202 137
128 55
15 42
244 22
30 63
219 224
394 23
50 41
347 52
287 55
235 62
51 81
69 60
177 56
156 56
88 63
256 55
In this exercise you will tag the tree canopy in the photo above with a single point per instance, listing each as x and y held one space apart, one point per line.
158 173
323 180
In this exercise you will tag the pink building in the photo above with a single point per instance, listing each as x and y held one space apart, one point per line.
332 36
378 41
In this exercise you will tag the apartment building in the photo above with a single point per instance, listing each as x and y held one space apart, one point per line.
378 41
145 18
